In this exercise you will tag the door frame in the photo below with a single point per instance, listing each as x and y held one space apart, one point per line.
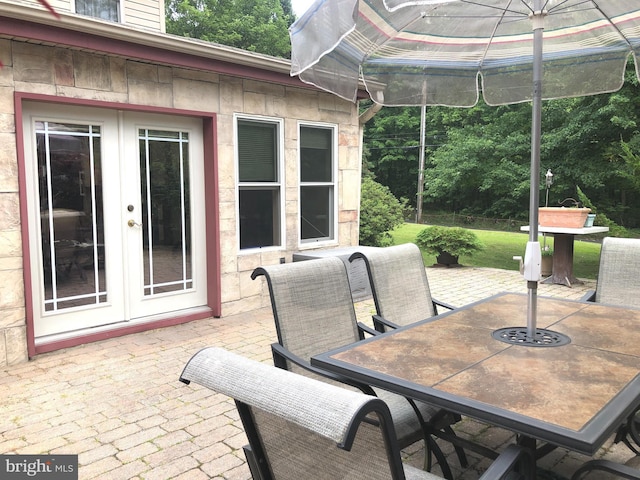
212 227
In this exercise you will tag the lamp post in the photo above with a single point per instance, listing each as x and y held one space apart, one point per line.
548 180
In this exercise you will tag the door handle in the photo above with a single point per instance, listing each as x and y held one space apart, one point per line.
133 223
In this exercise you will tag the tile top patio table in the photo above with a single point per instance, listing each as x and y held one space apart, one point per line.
573 396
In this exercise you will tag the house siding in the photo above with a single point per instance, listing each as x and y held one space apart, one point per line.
61 72
145 14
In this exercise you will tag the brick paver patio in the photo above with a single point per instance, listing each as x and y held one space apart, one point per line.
118 403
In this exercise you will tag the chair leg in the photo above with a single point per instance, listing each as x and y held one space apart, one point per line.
428 463
462 456
432 447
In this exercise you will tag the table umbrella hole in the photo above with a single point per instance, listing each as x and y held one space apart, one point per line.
520 336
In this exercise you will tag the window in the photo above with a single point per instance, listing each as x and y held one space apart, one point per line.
259 183
317 184
103 9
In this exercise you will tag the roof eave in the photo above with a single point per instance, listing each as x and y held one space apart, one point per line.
148 38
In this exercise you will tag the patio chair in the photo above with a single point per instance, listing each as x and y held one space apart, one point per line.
618 280
619 284
299 427
314 313
612 471
399 286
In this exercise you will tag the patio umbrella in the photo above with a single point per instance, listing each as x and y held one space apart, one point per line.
445 52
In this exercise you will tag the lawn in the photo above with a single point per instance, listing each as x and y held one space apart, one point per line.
501 247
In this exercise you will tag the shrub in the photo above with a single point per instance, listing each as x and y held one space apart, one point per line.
453 240
380 212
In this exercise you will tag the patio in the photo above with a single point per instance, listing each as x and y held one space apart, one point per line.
118 403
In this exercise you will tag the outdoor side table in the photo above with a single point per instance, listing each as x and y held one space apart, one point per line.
563 251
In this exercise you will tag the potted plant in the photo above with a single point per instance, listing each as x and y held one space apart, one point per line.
572 216
448 243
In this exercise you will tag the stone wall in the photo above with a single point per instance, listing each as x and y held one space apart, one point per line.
62 72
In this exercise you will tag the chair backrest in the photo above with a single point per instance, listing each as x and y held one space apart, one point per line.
312 306
399 283
297 425
619 272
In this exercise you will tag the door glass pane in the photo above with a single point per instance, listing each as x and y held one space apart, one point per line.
71 216
166 219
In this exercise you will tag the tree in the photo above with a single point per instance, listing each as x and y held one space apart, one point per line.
478 159
392 150
255 25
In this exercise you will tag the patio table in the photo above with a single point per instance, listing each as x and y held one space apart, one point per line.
573 395
563 240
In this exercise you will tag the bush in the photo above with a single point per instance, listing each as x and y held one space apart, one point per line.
453 240
380 212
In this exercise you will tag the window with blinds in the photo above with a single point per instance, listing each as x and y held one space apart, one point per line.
259 183
317 183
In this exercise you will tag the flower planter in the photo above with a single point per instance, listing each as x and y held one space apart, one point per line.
445 258
590 218
562 217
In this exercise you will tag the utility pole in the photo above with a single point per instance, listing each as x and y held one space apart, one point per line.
423 117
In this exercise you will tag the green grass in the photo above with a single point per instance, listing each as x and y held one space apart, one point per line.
501 247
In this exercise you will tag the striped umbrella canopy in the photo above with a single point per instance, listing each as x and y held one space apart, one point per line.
447 52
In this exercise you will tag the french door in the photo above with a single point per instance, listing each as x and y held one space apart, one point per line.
116 215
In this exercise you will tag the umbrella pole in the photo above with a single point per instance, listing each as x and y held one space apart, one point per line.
533 246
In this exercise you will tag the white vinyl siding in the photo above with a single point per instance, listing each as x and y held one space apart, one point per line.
145 13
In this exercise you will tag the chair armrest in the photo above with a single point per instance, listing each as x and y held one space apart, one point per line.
281 355
362 329
438 303
621 471
380 323
589 296
513 458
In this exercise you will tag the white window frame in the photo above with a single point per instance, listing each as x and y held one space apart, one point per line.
332 239
120 12
280 183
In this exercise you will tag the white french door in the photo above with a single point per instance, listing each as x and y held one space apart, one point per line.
115 202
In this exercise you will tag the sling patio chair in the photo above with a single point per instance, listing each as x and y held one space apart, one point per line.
605 470
402 296
314 313
619 284
399 286
300 428
618 274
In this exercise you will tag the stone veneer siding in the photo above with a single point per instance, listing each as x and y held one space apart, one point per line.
62 72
